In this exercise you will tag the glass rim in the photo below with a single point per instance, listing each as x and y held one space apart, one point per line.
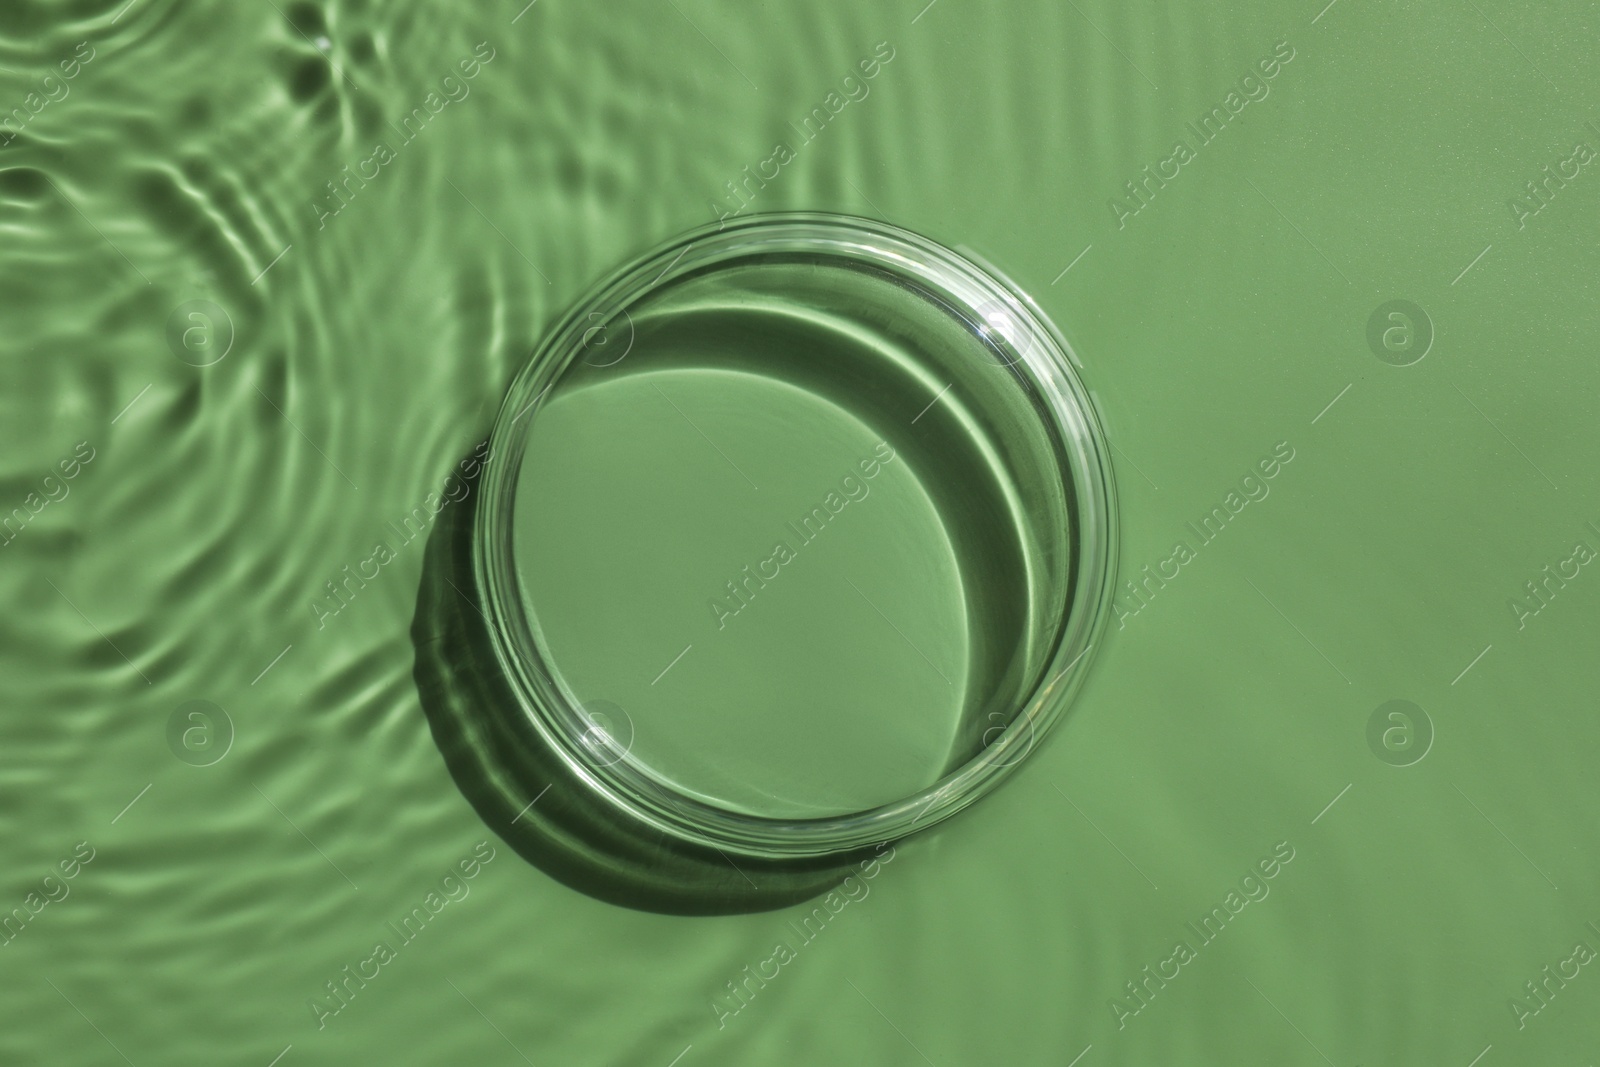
1046 360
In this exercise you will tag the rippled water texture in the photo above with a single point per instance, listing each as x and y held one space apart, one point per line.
268 268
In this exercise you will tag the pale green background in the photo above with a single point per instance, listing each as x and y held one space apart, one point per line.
1223 319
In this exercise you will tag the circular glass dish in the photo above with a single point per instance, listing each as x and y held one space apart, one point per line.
796 535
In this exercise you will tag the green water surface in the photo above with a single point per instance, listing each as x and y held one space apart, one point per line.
269 268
